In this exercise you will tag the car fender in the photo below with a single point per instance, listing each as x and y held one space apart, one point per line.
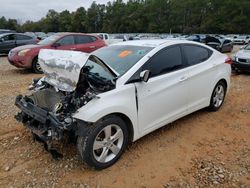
224 73
120 100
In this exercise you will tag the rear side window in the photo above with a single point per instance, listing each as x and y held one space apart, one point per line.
23 37
167 60
84 39
196 54
227 41
68 40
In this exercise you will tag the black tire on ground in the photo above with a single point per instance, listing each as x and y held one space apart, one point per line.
218 96
36 67
97 136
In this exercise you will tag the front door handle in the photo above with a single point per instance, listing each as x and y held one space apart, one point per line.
72 48
92 47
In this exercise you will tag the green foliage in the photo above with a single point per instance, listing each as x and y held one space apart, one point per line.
159 16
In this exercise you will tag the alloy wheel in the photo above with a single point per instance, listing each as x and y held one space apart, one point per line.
108 143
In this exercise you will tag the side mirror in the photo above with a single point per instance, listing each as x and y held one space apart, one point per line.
144 75
1 40
55 45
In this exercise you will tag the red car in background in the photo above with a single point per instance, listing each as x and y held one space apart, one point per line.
27 56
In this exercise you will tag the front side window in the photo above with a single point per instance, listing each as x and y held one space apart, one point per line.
49 40
167 60
68 40
8 37
196 54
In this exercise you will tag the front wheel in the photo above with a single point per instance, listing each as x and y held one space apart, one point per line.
104 143
36 66
218 96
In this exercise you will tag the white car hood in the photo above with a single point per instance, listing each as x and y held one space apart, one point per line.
62 68
245 54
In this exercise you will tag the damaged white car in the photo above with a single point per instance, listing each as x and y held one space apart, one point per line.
117 94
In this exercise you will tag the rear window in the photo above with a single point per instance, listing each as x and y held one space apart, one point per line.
81 39
23 37
121 57
196 54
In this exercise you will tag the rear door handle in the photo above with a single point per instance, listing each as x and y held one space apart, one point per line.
72 48
92 47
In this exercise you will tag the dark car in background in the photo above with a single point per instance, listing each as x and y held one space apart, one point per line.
196 38
27 56
6 31
220 44
9 41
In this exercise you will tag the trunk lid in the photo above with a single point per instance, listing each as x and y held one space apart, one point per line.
62 68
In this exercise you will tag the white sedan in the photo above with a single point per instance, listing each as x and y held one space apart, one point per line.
120 93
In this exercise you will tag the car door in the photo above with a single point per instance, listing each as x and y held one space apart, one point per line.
201 71
66 43
22 40
85 43
225 46
8 43
163 98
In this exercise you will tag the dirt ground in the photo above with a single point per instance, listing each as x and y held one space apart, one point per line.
204 149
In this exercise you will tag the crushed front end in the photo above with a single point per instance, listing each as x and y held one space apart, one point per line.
48 111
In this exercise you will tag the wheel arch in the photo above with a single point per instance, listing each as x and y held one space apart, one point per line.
224 81
127 121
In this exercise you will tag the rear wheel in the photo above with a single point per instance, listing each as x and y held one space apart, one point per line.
36 66
218 96
104 143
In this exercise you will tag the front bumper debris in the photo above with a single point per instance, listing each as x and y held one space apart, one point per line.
44 125
47 127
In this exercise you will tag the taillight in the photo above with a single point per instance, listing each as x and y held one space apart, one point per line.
229 61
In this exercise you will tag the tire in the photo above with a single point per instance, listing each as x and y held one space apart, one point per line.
110 138
237 71
218 96
36 67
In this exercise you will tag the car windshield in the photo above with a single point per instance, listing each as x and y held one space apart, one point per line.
49 40
120 58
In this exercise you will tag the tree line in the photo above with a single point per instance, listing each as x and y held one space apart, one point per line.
145 16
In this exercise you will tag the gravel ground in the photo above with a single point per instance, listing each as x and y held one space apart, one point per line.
203 149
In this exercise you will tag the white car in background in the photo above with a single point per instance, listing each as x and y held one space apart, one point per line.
242 39
111 39
241 60
120 93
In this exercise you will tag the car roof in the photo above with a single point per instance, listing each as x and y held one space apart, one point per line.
154 43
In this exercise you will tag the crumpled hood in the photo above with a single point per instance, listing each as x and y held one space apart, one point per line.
243 54
62 68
